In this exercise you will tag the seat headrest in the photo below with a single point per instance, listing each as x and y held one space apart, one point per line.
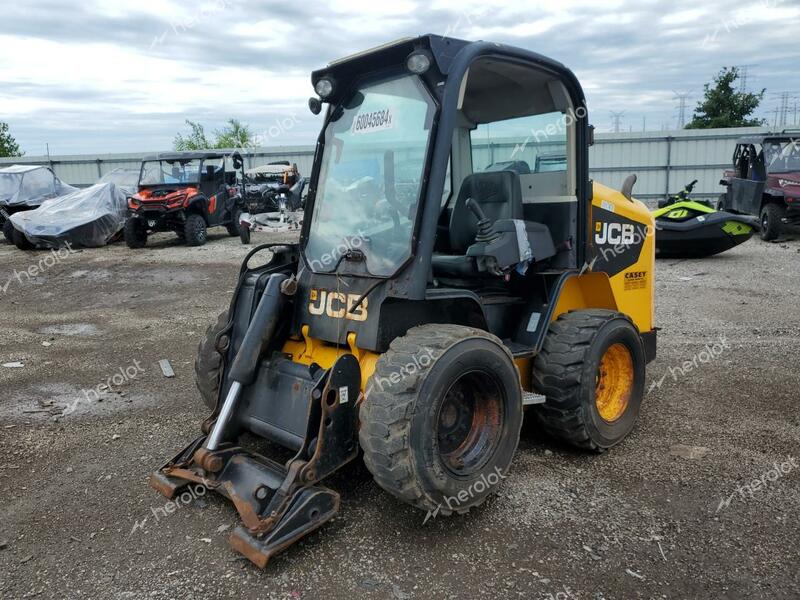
498 193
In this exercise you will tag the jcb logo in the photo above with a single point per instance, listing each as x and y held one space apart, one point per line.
614 233
337 305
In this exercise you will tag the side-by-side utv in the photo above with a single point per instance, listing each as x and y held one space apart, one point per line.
186 192
428 302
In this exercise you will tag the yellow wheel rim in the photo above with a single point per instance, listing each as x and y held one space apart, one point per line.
614 382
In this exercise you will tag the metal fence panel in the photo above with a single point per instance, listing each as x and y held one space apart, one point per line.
663 161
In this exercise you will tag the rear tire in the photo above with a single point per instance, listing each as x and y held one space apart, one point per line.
8 231
135 233
194 230
771 221
21 242
442 417
208 363
591 369
234 226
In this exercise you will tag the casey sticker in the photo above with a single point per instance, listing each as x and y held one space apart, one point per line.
376 120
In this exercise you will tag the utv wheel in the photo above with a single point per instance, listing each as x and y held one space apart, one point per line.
244 234
135 233
771 221
234 227
194 230
20 241
442 417
591 369
8 231
208 363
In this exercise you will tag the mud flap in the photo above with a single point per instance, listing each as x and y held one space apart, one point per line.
279 504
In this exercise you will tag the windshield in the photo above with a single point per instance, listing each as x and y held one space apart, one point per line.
158 172
371 175
9 184
782 157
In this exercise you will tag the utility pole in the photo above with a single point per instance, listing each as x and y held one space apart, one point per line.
617 120
682 99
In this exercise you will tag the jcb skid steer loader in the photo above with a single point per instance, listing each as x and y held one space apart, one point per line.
441 286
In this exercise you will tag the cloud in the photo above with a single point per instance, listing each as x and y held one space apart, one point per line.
99 76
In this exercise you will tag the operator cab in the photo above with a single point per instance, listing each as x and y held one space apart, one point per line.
450 178
510 117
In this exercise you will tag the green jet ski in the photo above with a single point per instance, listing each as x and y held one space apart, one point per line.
688 228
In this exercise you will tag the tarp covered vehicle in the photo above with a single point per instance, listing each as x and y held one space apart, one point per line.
25 187
90 217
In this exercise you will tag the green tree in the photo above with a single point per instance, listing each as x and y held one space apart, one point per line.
235 134
196 140
8 145
724 106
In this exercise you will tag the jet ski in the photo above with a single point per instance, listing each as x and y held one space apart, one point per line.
688 228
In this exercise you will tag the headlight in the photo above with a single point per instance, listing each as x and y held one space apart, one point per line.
324 87
134 203
785 182
418 62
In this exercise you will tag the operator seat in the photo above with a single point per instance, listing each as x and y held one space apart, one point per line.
499 194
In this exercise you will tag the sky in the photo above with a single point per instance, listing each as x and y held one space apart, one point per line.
106 76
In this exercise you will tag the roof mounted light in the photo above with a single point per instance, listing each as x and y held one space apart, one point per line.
324 87
419 61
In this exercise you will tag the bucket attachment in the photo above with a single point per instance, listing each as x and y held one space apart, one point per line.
278 504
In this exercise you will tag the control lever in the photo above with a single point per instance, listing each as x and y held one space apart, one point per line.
486 232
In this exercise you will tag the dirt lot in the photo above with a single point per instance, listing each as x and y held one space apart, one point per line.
646 520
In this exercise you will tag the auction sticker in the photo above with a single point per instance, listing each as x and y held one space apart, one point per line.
376 120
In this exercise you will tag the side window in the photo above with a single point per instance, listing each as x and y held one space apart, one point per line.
535 146
38 183
539 141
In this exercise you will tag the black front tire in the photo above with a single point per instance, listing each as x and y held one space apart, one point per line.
208 363
234 226
8 231
135 233
21 242
568 372
772 221
244 234
194 230
433 387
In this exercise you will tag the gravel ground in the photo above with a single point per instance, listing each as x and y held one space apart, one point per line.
664 515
